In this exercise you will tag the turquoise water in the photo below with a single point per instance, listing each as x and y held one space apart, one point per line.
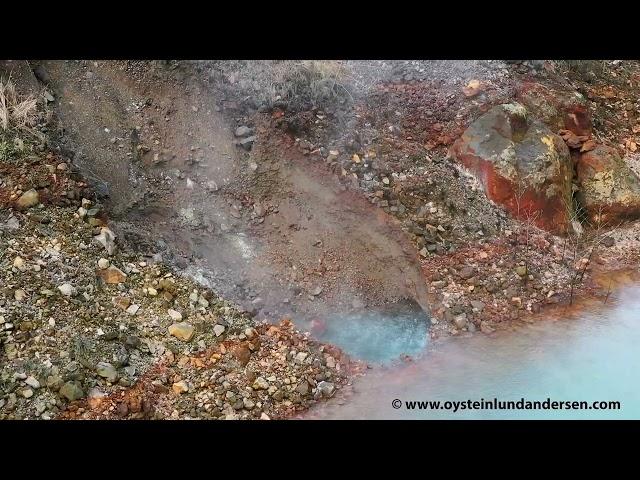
379 336
595 356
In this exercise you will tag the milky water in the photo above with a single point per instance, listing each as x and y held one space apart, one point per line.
379 336
594 356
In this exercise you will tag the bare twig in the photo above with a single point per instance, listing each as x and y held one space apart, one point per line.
608 291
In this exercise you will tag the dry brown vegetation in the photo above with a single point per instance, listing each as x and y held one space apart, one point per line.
294 84
585 70
318 80
16 111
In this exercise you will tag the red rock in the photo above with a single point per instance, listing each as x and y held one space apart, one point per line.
520 164
242 353
588 146
273 331
122 410
556 108
574 141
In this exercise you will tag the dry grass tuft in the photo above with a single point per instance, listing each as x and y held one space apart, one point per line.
585 70
16 111
289 80
296 84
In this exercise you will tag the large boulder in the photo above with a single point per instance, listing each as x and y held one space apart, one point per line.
558 109
521 165
609 190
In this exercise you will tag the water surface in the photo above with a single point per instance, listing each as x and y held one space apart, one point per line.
594 356
379 336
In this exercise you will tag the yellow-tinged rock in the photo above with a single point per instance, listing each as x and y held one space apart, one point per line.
112 275
180 387
182 331
30 198
18 262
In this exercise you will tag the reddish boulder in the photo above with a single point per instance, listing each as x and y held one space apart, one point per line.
242 353
558 109
609 190
520 164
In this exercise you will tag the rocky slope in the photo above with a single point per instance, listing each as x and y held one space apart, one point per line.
500 188
90 330
507 215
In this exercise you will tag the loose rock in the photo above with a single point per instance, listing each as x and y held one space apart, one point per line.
107 371
67 290
32 382
218 330
106 238
180 387
112 275
71 391
28 199
183 331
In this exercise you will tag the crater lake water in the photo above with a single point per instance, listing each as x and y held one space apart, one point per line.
591 356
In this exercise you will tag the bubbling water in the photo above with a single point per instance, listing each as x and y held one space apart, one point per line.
379 336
